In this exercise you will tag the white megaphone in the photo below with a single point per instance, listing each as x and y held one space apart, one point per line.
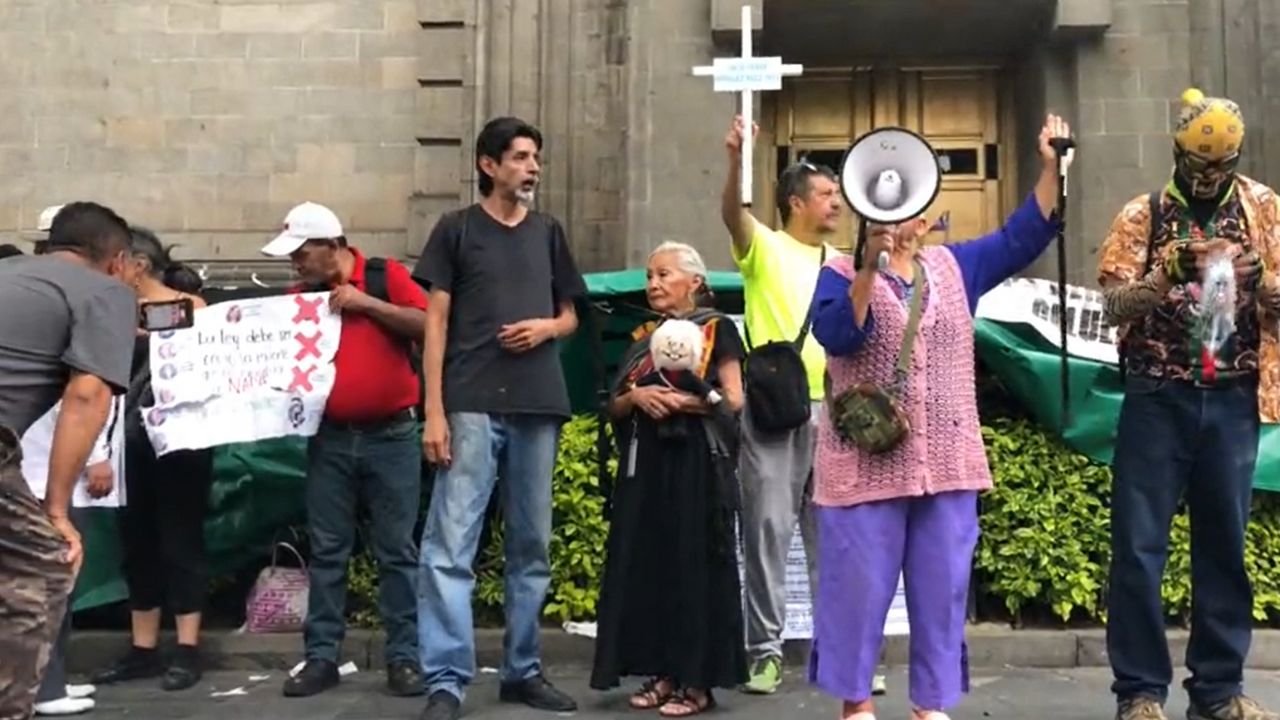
888 176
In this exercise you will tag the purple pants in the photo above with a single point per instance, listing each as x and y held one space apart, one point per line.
861 551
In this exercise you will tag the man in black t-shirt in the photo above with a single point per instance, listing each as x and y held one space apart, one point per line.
66 333
502 289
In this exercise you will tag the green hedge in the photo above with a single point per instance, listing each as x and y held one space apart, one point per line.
1045 541
1041 559
579 532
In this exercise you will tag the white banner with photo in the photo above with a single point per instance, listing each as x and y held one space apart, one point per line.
1035 302
247 370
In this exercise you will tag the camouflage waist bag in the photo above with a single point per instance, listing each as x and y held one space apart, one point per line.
869 416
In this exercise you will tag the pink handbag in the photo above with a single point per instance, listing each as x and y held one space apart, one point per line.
278 599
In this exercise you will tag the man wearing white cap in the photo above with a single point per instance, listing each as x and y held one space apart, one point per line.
366 450
43 223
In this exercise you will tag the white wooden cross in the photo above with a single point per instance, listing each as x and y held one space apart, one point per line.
746 75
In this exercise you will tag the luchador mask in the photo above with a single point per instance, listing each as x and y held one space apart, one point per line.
1207 142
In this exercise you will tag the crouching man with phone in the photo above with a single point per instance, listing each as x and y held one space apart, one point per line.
66 332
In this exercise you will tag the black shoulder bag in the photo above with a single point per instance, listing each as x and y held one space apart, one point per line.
776 382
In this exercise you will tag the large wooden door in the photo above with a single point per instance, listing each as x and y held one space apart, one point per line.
818 115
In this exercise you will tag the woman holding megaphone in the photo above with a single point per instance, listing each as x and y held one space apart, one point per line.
900 459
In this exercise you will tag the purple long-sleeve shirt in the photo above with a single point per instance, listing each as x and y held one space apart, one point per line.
984 263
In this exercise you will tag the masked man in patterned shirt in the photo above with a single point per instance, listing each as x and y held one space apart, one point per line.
1189 424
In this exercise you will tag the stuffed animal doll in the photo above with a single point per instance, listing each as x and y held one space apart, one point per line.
676 351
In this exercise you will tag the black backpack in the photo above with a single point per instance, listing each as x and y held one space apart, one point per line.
776 382
375 283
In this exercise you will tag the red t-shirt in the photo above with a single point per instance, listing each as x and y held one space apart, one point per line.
373 377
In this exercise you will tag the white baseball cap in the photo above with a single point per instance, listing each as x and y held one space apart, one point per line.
308 221
45 223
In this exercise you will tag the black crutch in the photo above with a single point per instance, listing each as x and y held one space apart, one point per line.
1063 146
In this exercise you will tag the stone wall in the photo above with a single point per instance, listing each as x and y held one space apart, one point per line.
206 120
559 65
1127 87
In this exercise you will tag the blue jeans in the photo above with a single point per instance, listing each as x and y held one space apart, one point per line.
521 449
1178 439
379 467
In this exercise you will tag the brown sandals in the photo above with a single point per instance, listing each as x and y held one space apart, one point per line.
654 693
686 704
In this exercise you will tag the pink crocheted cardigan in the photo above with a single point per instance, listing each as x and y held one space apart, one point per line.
944 451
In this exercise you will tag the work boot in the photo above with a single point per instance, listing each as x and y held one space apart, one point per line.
1140 707
404 678
314 678
442 705
1240 707
537 693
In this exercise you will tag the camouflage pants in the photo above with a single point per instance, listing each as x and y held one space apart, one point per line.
34 586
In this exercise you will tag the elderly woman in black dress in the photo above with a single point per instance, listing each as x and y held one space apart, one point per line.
670 607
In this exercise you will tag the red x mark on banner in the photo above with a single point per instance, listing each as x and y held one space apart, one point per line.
308 345
307 309
301 379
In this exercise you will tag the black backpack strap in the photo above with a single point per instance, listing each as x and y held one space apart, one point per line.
375 279
604 448
808 314
375 285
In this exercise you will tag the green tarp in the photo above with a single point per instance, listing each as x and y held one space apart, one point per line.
1029 366
258 487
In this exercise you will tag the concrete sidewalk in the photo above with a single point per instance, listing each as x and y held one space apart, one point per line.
990 646
997 694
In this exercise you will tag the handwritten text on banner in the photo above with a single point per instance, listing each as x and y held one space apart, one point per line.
247 370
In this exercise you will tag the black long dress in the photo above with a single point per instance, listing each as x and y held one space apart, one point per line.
671 601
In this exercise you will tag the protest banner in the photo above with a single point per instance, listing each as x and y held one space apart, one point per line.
1034 302
247 370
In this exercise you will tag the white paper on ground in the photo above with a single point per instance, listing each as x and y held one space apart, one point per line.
230 693
583 629
346 669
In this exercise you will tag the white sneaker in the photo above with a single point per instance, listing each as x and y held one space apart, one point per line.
65 706
878 685
81 691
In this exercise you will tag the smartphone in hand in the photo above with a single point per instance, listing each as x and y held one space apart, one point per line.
166 315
